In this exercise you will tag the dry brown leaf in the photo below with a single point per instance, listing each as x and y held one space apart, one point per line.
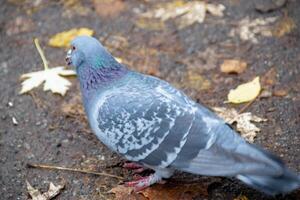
185 13
126 193
167 191
284 26
175 192
109 8
63 39
243 121
233 66
280 93
51 77
52 192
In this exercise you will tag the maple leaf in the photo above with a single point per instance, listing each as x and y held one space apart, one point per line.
243 121
51 77
52 192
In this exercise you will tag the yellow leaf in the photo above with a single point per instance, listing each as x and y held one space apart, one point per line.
245 92
63 39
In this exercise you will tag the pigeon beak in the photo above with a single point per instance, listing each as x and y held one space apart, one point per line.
68 57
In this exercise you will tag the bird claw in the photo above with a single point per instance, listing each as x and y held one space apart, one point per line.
141 183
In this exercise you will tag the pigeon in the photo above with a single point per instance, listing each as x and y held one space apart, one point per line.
151 123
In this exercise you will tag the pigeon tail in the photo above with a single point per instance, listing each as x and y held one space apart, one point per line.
284 183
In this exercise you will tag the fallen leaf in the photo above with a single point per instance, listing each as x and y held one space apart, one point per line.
126 193
51 77
284 26
175 192
233 66
280 93
185 13
109 8
166 191
52 192
150 24
245 92
63 39
241 197
243 121
249 30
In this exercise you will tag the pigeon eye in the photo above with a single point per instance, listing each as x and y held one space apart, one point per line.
73 48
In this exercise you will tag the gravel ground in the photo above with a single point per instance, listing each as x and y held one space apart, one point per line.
53 130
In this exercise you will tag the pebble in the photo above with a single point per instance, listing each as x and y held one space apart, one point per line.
14 120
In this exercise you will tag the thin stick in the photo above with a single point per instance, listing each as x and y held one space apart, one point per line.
73 170
37 45
243 109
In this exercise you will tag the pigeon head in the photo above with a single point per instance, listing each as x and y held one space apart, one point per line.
94 65
86 52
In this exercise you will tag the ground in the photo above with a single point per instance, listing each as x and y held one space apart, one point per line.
52 129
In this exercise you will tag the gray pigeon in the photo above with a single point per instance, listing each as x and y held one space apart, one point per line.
148 121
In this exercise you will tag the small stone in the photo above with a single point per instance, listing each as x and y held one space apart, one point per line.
14 120
10 104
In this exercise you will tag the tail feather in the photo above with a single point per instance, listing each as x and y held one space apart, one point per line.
272 185
231 156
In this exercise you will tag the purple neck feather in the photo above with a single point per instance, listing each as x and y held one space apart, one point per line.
92 78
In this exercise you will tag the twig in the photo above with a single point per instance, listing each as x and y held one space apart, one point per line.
37 45
243 109
42 166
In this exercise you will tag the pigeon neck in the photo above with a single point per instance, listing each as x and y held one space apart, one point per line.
92 77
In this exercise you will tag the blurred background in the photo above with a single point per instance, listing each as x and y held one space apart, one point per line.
204 48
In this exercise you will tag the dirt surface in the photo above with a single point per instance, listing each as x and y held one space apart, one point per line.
52 129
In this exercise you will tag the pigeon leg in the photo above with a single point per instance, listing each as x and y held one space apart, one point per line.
132 165
137 168
144 182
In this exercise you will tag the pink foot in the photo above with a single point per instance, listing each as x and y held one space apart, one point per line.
137 168
131 165
141 183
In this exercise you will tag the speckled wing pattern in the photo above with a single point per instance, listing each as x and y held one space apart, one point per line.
147 121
